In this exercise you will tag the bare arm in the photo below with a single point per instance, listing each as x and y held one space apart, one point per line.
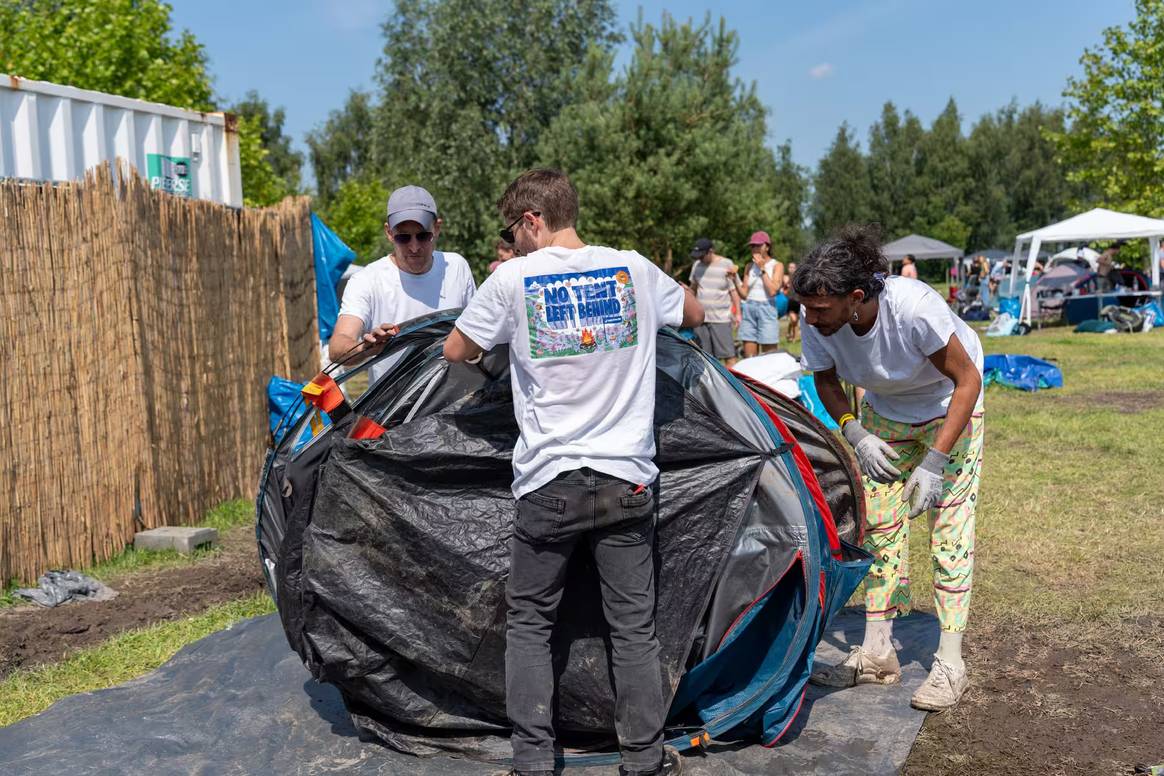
349 332
692 310
460 348
954 362
828 386
773 282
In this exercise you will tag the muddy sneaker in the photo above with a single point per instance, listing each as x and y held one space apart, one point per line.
860 667
942 689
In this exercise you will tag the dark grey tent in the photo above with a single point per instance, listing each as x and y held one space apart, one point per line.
385 538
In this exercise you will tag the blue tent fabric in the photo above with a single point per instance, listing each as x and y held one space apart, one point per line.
1026 373
332 257
283 398
812 402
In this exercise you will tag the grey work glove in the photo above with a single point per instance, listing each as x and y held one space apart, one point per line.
873 453
924 486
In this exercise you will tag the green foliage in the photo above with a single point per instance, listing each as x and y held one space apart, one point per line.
261 186
1115 146
461 119
356 212
123 47
673 149
342 148
972 192
283 161
842 193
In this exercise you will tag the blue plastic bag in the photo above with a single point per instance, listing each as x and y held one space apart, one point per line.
1012 305
1026 373
812 402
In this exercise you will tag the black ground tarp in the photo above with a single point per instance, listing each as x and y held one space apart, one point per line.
240 702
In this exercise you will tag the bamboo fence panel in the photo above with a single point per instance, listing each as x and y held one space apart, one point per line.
139 331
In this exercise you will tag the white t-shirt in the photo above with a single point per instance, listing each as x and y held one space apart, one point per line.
755 284
891 360
581 326
382 293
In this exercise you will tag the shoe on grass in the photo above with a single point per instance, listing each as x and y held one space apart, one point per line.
860 667
942 689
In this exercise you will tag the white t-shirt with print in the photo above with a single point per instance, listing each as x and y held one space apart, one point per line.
755 284
581 326
382 293
891 360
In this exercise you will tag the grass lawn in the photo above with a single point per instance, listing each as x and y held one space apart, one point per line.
223 517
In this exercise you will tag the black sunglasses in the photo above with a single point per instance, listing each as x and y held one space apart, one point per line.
507 232
404 238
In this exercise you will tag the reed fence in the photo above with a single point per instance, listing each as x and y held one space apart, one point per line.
139 330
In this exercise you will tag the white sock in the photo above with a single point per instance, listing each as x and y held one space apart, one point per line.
878 637
950 649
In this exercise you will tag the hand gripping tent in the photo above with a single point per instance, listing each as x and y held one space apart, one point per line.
385 537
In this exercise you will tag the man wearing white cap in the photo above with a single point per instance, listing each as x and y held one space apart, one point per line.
411 281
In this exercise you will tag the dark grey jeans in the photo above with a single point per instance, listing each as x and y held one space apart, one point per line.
605 513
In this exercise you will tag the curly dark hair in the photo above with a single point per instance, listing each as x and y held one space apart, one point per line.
848 260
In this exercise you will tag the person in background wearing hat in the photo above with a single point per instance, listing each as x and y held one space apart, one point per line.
763 279
413 280
713 281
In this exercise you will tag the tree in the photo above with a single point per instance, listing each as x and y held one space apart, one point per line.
942 186
672 149
123 47
284 161
1115 145
790 238
894 151
356 213
463 119
342 148
127 47
841 190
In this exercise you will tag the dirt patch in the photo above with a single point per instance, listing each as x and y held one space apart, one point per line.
31 635
1125 402
1048 701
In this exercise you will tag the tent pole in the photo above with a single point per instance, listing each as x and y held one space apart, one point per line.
1155 258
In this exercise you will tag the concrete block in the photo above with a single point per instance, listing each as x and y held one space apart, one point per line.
175 537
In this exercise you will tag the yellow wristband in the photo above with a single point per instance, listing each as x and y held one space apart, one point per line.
845 419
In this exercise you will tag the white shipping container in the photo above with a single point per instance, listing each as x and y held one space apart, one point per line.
50 132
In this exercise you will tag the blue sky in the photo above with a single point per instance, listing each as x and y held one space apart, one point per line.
815 64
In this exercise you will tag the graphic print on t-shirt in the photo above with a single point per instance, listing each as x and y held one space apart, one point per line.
577 313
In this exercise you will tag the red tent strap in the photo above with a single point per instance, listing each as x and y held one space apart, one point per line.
809 476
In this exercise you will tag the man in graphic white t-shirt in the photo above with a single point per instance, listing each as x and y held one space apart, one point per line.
413 280
580 321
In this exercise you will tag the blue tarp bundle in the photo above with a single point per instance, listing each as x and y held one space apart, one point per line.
332 257
1026 373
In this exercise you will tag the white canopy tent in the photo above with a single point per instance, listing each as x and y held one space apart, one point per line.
1097 224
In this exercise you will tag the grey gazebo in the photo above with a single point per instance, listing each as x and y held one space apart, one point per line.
921 248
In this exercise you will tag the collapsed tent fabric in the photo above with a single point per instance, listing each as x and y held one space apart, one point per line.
388 557
1026 373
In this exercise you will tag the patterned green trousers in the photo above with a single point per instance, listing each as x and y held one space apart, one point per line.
887 592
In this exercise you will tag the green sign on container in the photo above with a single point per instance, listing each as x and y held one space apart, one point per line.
170 174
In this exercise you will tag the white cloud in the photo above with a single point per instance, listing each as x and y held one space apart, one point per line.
353 15
823 70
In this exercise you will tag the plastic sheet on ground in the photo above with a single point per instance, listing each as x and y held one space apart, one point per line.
1026 373
239 701
57 587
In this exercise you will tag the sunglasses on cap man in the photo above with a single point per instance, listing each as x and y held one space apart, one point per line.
404 238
